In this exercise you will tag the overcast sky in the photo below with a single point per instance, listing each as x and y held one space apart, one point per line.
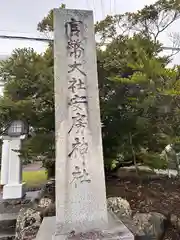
20 17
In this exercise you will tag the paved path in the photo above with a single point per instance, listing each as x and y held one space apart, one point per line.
36 166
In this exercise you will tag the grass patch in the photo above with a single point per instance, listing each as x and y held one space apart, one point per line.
34 179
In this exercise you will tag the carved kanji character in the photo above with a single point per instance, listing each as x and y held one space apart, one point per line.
79 123
76 66
75 147
85 176
76 84
75 48
77 174
76 102
73 28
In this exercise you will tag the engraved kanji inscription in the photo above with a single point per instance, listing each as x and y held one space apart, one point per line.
75 48
78 99
76 175
75 147
76 66
83 149
80 176
79 123
79 148
76 84
73 28
76 102
85 176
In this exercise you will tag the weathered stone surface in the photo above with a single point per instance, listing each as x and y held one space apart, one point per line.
114 230
80 202
152 224
146 226
44 202
175 221
79 158
143 225
29 219
28 223
119 206
49 211
48 191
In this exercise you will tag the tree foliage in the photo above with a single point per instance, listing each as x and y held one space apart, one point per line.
139 94
28 95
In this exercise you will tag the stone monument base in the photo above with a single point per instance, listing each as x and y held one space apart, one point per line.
13 191
115 230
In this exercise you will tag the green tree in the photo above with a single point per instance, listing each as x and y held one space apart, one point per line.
139 95
28 95
141 113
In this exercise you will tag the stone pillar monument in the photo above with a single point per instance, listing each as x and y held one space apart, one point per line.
79 159
81 211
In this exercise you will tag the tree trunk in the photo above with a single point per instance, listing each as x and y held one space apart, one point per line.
133 154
